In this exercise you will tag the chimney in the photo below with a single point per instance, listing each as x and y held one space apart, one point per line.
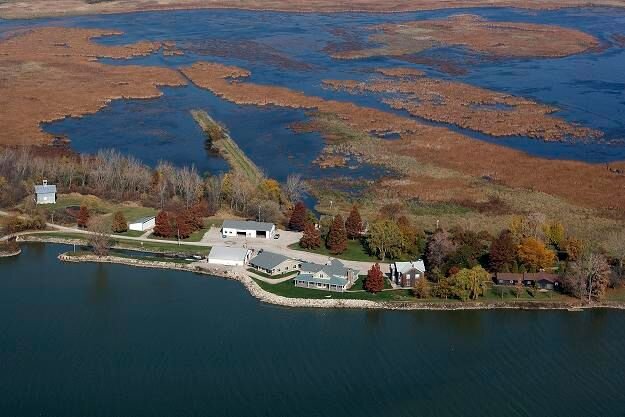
45 182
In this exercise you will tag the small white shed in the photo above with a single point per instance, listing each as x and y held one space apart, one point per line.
223 255
143 224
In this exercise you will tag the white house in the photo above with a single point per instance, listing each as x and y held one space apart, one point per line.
251 229
223 255
143 224
45 194
406 274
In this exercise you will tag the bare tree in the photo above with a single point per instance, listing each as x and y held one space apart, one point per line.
213 192
589 276
99 236
295 187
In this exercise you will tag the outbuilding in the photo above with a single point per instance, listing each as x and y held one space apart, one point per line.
143 224
245 228
45 193
224 255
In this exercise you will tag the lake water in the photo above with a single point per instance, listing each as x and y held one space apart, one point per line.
109 340
287 49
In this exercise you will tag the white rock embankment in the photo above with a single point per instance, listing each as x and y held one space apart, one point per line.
265 296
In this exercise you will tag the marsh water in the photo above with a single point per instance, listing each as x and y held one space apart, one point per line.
109 340
287 49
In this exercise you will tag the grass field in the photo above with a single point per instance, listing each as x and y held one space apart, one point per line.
264 275
133 244
288 289
98 206
355 252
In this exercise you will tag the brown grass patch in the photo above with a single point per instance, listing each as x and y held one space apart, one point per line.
48 74
497 39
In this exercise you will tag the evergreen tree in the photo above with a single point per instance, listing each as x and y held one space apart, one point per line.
82 219
163 226
311 239
353 224
336 240
298 217
374 282
119 223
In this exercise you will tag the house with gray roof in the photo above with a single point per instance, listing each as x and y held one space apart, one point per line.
45 193
334 276
246 228
274 264
406 274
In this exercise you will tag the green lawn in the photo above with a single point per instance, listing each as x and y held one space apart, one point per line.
131 233
355 252
194 237
288 289
359 284
83 252
133 244
131 212
508 293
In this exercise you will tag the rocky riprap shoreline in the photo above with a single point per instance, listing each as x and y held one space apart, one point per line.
265 296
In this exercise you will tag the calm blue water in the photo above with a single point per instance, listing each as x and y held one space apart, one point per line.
108 340
288 51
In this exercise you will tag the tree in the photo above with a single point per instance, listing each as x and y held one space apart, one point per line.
298 217
573 248
374 282
385 239
534 254
413 240
443 289
588 277
469 283
353 224
119 223
422 288
336 240
311 238
271 188
503 252
82 218
439 247
295 187
554 234
100 237
163 226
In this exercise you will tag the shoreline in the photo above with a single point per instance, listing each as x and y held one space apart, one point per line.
267 297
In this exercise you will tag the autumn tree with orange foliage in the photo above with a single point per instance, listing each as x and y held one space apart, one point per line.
336 241
82 219
374 282
535 255
311 238
353 224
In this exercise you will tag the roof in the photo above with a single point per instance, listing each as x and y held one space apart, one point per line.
403 267
268 260
248 225
332 281
227 253
45 189
528 276
334 269
144 219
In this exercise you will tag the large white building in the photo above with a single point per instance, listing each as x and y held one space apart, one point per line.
223 255
143 224
251 229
